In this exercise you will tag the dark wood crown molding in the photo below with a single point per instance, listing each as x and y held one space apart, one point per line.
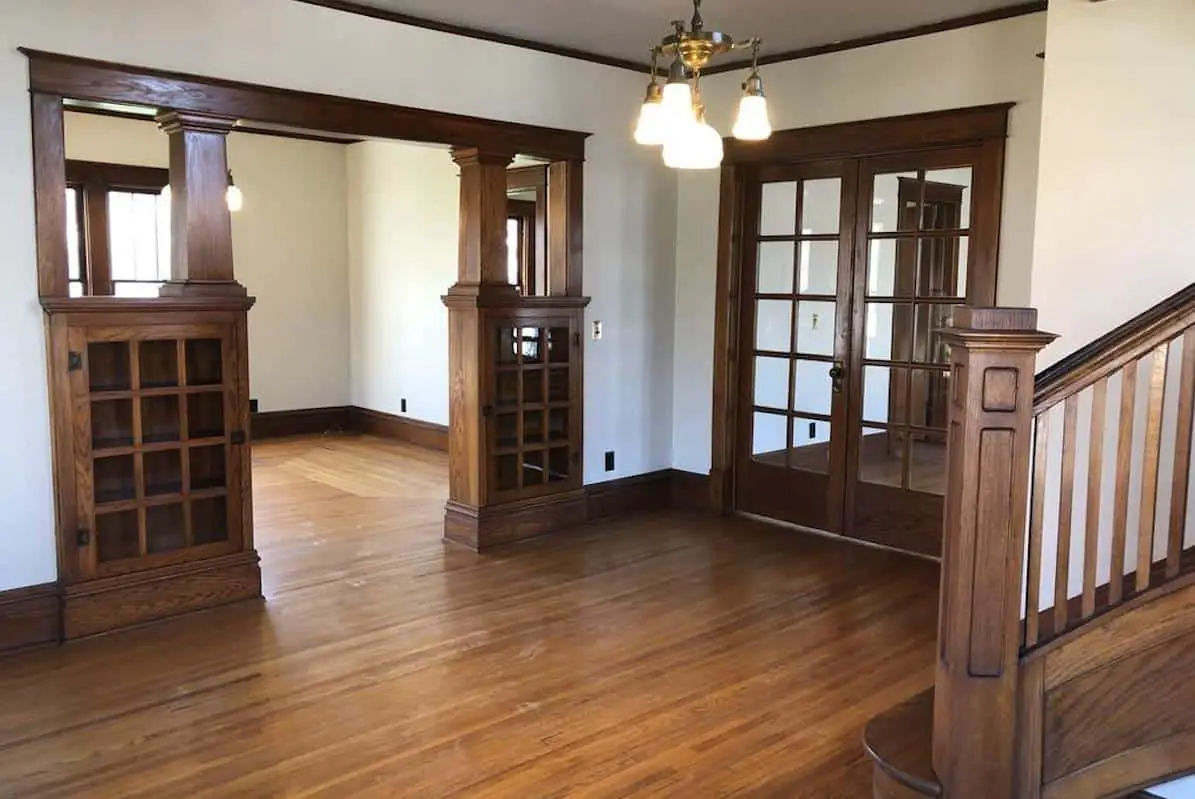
995 15
63 76
476 33
982 18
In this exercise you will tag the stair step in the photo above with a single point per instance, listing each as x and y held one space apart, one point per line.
900 741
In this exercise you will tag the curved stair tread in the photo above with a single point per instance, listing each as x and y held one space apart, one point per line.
900 741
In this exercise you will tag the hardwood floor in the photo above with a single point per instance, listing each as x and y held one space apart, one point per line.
671 655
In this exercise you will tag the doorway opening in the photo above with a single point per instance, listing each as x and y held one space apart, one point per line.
843 266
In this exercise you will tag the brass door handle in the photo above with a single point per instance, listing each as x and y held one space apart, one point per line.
837 372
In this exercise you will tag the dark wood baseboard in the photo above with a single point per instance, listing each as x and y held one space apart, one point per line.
100 606
690 491
643 493
307 421
483 528
401 428
29 616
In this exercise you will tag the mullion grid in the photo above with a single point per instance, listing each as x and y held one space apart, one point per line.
795 297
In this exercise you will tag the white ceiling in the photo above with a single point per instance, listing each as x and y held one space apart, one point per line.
625 29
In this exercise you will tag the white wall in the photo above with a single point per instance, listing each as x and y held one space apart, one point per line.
979 65
630 199
290 248
1114 198
403 210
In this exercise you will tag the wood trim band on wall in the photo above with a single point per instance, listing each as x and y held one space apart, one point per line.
117 176
29 616
113 113
934 130
955 23
103 81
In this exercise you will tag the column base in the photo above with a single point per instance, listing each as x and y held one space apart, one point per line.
202 288
483 528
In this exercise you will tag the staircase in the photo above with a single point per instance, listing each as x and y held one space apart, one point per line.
1067 617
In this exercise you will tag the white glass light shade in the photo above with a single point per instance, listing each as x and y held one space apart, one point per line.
696 146
752 123
653 123
235 199
678 104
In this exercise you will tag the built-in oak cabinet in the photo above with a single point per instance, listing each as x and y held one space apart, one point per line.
150 420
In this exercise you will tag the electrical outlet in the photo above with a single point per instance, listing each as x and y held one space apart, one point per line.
403 404
610 461
252 406
812 430
597 330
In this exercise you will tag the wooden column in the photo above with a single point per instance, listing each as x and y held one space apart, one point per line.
993 351
565 198
200 224
481 283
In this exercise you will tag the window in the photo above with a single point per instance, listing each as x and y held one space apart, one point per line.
520 246
138 242
118 229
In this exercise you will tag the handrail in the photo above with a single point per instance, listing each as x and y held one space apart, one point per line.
1102 357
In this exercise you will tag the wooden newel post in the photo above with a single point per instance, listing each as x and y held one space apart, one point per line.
993 351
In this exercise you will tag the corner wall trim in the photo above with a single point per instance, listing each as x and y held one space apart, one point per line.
29 616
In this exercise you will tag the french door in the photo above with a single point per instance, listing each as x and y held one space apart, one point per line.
849 269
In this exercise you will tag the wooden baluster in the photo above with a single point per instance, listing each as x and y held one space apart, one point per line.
1181 480
1066 511
1036 523
1124 465
1149 472
988 461
1095 474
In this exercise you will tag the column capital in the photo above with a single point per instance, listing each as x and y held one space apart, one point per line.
479 156
172 121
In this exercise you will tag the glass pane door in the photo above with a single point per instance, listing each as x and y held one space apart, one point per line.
916 215
795 318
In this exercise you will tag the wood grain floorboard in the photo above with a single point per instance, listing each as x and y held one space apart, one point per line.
669 655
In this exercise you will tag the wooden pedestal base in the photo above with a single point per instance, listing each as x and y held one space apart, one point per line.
100 606
482 528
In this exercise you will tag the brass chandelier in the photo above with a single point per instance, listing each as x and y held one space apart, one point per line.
673 115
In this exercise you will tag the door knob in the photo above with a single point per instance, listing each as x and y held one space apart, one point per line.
837 372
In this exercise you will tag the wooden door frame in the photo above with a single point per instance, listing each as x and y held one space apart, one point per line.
983 126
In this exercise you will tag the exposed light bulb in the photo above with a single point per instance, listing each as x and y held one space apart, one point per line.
752 123
233 197
653 119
